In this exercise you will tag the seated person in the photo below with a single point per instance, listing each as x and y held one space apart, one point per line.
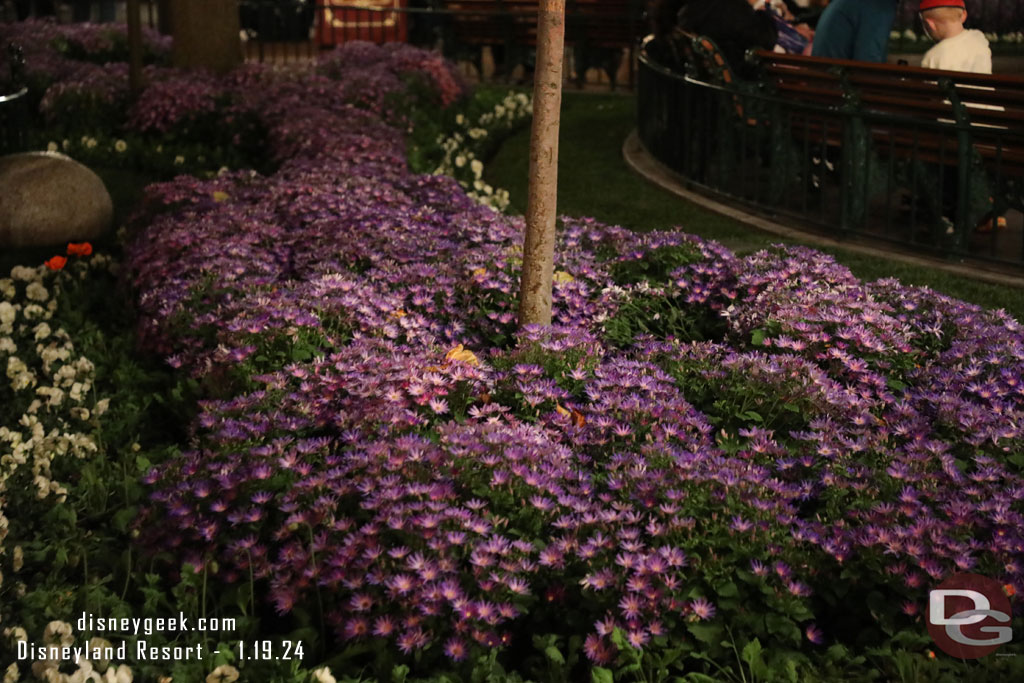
794 38
733 25
957 49
663 43
855 29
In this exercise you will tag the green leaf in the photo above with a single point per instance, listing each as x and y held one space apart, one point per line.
783 627
399 673
752 651
757 338
706 633
727 590
752 656
895 384
601 675
553 654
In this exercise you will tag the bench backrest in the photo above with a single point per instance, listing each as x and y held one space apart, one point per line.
991 107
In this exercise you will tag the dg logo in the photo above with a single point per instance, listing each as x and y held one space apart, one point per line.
969 616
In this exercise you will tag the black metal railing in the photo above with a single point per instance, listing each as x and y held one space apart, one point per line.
14 117
845 171
599 34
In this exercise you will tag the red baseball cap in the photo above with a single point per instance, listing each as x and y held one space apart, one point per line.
932 4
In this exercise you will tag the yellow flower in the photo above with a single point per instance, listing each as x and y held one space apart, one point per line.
398 313
461 354
219 196
562 277
562 411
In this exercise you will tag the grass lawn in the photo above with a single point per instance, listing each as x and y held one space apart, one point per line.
595 181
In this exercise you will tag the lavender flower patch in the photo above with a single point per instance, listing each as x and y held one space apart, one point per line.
380 441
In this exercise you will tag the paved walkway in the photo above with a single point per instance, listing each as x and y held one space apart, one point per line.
647 166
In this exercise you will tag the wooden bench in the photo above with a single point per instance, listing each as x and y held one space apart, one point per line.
953 140
973 123
596 30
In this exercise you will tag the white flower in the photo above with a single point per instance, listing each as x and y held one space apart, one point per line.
909 35
460 161
58 633
16 634
42 331
7 288
33 312
12 674
36 292
178 160
24 273
65 144
90 143
52 147
478 167
225 673
101 407
460 119
17 558
323 674
7 345
120 675
7 313
120 146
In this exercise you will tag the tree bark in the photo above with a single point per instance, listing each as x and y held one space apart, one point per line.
542 201
206 34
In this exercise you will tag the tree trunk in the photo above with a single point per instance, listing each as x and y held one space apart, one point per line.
206 34
542 201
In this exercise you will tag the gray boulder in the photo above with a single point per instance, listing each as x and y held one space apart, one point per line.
48 199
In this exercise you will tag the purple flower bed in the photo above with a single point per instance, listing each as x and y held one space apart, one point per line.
762 438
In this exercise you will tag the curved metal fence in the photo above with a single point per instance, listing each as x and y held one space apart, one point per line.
845 171
13 103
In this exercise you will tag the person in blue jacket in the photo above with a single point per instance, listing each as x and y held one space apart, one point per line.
855 29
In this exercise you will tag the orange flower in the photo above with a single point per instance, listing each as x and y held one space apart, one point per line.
1009 590
79 249
56 263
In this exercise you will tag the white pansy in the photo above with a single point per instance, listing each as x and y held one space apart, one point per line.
24 273
36 292
58 633
121 674
324 675
7 313
225 673
34 312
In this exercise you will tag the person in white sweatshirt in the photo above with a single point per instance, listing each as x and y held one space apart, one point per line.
957 49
